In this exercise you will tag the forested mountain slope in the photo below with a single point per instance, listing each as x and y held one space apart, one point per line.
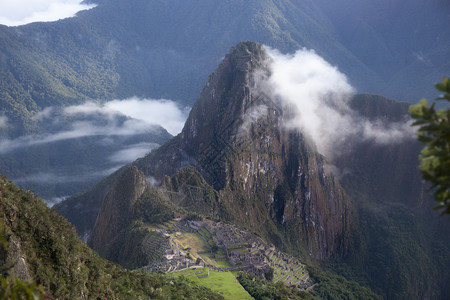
44 248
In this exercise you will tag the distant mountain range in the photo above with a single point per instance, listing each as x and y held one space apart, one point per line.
330 182
154 49
166 50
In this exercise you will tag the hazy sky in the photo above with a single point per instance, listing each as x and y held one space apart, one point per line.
19 12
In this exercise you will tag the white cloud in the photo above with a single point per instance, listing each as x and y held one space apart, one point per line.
20 12
252 116
316 97
165 113
108 119
162 112
46 113
55 200
132 152
3 122
65 176
388 133
78 130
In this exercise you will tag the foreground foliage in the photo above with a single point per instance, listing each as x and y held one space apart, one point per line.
12 287
434 133
64 266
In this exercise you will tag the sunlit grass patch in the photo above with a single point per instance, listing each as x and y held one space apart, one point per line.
224 283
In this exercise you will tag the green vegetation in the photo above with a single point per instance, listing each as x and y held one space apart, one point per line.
153 208
136 246
64 266
191 191
289 271
12 287
331 286
397 247
224 283
195 244
265 290
434 133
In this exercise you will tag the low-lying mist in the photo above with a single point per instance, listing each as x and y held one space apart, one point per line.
78 145
114 118
20 12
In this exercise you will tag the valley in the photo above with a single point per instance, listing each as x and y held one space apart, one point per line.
222 149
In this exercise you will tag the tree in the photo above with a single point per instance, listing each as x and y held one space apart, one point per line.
269 274
434 133
13 288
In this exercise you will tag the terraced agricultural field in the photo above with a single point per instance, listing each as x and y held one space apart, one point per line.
292 272
218 262
191 240
154 245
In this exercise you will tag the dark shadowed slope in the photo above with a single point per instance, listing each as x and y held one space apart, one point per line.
44 247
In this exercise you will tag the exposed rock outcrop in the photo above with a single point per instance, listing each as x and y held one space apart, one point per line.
269 178
237 162
117 206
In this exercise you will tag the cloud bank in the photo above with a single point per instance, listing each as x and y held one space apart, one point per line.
115 118
162 112
3 121
20 12
132 152
316 96
165 113
113 133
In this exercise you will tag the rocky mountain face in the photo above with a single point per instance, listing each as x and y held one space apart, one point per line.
266 177
117 206
236 161
245 175
263 172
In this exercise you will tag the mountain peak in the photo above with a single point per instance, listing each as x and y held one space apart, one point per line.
266 175
227 92
250 169
246 55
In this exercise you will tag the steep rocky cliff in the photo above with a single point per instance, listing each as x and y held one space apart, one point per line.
261 175
236 160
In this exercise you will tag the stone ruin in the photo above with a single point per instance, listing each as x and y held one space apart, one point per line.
242 249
